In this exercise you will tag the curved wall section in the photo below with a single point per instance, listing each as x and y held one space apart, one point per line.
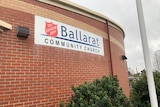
67 47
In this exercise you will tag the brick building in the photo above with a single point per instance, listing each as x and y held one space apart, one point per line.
48 45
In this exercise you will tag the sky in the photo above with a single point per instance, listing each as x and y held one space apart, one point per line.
124 12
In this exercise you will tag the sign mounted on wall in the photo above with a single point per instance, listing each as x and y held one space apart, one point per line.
53 33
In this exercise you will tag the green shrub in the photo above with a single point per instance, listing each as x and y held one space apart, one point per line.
139 92
103 92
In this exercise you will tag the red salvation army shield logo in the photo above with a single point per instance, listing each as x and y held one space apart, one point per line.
51 29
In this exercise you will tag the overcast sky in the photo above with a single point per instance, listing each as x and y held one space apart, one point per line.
124 12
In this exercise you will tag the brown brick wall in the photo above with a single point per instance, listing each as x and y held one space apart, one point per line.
119 65
34 75
38 8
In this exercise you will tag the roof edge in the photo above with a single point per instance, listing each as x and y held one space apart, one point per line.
68 5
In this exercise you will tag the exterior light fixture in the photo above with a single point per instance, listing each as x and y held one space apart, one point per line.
22 32
4 25
124 57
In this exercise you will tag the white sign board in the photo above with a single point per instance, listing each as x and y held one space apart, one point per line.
56 34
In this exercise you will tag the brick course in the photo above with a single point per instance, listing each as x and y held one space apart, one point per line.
39 76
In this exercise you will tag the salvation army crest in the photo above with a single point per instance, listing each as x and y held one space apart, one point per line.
51 29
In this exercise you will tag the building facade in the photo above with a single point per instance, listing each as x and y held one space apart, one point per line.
46 46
